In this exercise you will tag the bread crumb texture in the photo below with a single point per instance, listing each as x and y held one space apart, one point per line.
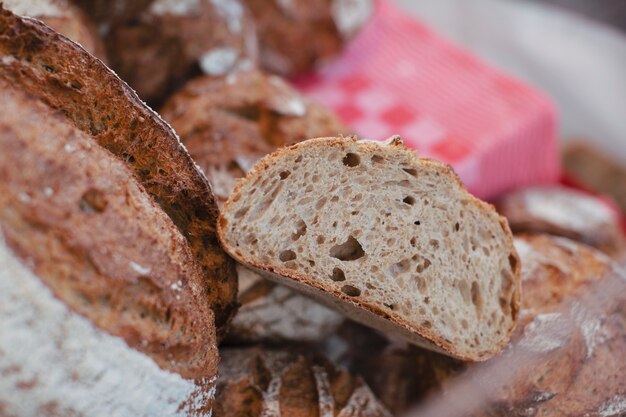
371 228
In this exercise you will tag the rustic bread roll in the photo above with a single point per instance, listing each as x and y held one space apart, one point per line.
564 212
575 375
255 382
54 70
597 171
168 42
297 35
227 124
391 240
65 18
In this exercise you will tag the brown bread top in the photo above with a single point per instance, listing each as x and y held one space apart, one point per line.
297 35
257 382
564 212
228 123
66 78
79 218
65 18
159 47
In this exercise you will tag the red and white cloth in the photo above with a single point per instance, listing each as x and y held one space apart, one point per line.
399 77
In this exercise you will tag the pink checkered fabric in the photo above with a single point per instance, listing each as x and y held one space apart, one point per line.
399 77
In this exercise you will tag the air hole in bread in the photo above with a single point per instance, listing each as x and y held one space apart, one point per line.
377 159
399 267
421 284
49 68
409 200
457 226
427 324
465 291
315 178
411 171
350 250
76 85
320 240
513 261
241 212
308 189
421 267
476 296
298 159
417 223
338 275
357 197
284 174
93 201
320 203
287 255
334 199
351 160
413 241
351 291
434 243
300 230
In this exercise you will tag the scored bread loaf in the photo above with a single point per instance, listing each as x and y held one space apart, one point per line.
565 212
65 18
227 124
257 382
391 240
67 79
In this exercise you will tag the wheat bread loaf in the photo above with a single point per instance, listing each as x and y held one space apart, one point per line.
299 35
578 373
391 240
67 79
227 124
64 17
565 212
259 382
160 46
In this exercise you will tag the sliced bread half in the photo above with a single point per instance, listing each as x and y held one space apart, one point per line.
391 240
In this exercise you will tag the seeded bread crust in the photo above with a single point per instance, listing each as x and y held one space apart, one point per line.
66 78
65 18
259 382
345 301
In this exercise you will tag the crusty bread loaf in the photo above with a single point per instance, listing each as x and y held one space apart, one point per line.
227 124
258 382
296 36
65 18
393 241
597 171
575 375
564 212
162 45
62 75
54 362
79 218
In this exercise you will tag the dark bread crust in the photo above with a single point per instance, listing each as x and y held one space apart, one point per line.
66 78
90 231
291 383
71 22
228 123
370 313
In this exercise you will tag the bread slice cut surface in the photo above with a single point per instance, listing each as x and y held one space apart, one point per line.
389 239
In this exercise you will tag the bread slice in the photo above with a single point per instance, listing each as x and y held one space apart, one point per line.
67 79
392 240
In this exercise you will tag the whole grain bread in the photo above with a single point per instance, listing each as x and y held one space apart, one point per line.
168 42
64 17
80 219
227 124
298 35
67 79
55 362
391 240
579 374
259 382
565 212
